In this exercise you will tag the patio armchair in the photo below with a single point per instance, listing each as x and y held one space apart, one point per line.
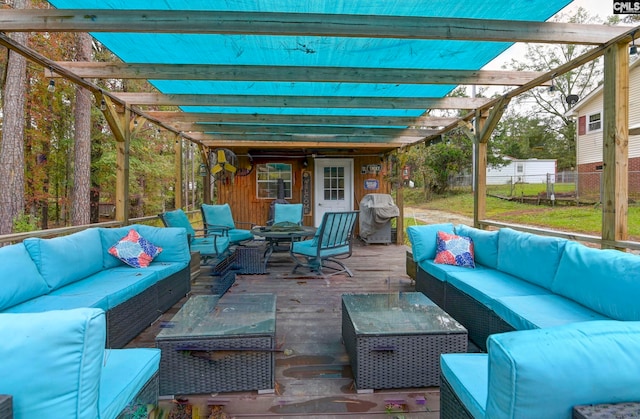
332 242
218 219
210 244
286 213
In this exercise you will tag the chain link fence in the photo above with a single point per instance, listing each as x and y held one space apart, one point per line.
583 188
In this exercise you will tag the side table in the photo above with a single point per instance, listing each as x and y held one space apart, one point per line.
607 411
6 407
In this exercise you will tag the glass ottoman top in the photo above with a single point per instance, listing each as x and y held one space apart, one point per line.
398 313
233 315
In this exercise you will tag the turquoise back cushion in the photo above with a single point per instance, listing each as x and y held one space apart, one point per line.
51 362
543 373
19 277
66 259
606 281
528 256
177 218
173 241
423 239
218 215
290 213
485 244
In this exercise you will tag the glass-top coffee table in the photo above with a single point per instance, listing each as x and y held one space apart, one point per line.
395 340
219 344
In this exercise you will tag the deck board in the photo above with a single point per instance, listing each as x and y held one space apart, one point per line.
313 375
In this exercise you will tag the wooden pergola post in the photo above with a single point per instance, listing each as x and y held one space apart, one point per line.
118 120
177 189
615 143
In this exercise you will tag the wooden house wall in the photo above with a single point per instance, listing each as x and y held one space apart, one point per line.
241 193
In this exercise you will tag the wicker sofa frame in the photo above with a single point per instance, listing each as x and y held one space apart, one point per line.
126 320
478 319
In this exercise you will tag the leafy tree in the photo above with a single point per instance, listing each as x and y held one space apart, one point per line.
546 107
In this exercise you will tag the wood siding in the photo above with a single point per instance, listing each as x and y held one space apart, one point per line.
241 194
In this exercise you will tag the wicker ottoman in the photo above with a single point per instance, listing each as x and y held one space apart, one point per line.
6 407
607 411
219 344
395 340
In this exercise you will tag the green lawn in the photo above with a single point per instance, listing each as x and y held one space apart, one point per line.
583 219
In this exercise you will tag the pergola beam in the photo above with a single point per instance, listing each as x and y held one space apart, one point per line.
173 118
301 24
304 129
158 71
367 102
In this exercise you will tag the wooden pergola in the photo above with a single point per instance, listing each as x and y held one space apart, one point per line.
377 134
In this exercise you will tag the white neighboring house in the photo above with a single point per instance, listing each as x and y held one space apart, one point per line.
588 114
522 171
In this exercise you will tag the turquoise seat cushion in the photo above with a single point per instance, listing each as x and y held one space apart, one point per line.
124 374
310 248
485 244
66 259
162 269
539 311
62 302
20 279
607 281
52 362
173 240
116 284
439 270
206 246
467 374
543 373
488 285
423 239
237 235
528 256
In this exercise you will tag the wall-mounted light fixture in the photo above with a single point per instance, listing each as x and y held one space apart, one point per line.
553 88
633 49
52 86
103 105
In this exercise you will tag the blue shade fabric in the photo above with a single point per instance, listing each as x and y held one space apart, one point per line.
323 51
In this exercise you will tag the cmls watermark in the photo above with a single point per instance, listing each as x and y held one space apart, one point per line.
626 7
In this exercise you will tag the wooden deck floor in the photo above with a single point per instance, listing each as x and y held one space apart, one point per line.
313 376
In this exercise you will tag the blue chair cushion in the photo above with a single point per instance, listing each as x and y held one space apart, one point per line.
19 277
237 235
287 213
423 239
177 218
218 214
310 248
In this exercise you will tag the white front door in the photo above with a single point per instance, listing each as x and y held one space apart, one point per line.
333 187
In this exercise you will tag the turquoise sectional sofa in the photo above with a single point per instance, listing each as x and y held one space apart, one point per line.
54 365
546 286
77 271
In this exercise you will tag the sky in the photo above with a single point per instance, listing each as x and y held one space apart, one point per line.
601 8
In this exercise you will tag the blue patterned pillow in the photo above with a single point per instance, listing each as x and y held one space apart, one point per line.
455 250
135 250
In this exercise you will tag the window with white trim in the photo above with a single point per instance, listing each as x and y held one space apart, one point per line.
267 176
595 122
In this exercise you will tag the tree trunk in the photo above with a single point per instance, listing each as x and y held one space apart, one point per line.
12 147
81 195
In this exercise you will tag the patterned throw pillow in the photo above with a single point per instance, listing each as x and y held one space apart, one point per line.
454 250
135 250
